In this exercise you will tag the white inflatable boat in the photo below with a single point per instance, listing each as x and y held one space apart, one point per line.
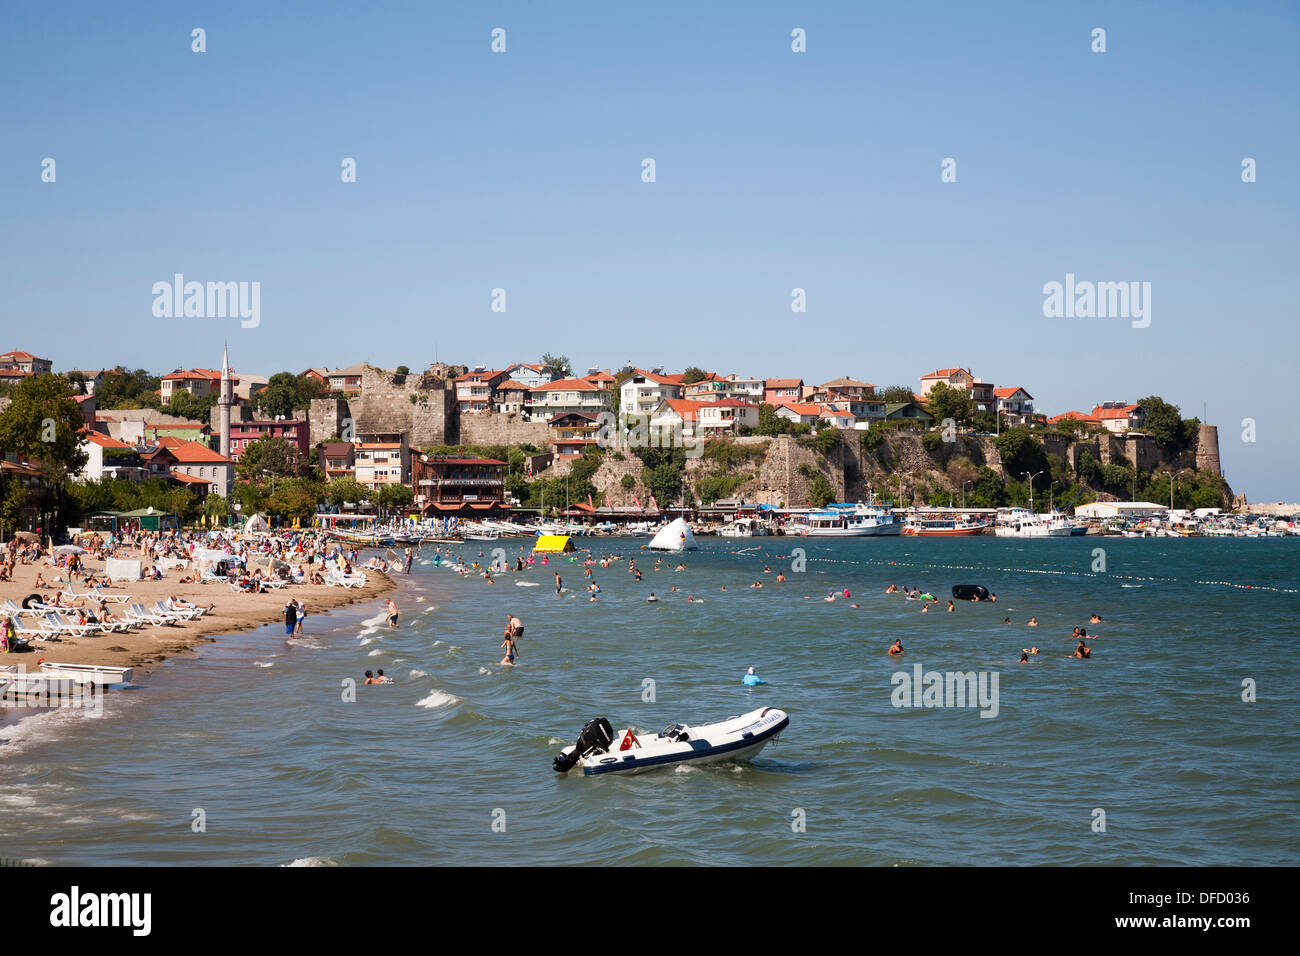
600 750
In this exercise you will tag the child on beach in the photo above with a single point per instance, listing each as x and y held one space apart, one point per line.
511 650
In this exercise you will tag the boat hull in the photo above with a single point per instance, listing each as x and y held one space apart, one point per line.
742 744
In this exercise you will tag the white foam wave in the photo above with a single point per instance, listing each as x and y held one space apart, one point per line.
438 698
376 652
263 664
527 584
419 673
311 861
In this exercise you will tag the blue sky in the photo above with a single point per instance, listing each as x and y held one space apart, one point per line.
775 170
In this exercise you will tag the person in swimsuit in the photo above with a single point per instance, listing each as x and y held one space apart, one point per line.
392 613
896 648
511 650
1082 651
1033 622
370 678
1024 658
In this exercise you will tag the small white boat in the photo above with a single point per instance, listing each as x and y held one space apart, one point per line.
600 750
102 674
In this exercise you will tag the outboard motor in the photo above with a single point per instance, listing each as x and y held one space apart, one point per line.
594 738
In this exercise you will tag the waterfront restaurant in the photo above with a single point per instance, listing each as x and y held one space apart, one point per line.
446 486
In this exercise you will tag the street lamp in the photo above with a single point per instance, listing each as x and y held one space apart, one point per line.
1031 486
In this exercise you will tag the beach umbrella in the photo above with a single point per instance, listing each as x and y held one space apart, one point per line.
70 549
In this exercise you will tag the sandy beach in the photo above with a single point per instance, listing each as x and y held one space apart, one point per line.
146 647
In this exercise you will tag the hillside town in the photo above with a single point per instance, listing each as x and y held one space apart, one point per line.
454 443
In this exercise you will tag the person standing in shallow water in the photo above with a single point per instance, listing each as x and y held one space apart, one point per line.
410 557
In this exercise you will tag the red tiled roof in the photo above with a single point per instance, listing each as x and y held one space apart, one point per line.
1008 392
510 385
801 408
104 441
210 373
783 383
684 407
1103 413
568 384
945 372
187 452
20 356
190 479
1071 416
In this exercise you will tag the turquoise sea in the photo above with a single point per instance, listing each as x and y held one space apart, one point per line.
253 739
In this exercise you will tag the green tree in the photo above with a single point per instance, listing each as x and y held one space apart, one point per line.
948 402
557 365
822 492
185 404
892 394
1164 423
121 388
43 425
343 491
1021 452
693 375
269 456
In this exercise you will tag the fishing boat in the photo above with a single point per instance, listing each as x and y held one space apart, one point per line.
599 750
947 525
744 528
1023 523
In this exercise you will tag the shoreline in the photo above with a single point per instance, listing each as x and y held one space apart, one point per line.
144 649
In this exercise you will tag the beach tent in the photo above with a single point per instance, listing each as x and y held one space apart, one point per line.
553 543
256 523
674 536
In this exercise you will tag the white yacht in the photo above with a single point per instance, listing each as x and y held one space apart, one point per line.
1023 523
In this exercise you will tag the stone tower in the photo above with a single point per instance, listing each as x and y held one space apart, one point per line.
1207 449
224 401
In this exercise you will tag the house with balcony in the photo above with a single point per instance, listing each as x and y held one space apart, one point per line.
376 464
510 397
453 486
1119 417
1014 402
674 420
199 382
725 416
106 457
778 391
346 380
801 413
528 375
194 465
573 433
564 396
337 459
715 388
952 377
643 392
983 394
474 390
294 431
26 362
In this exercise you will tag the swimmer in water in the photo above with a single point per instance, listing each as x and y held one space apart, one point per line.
1095 619
370 678
511 650
652 597
1032 622
1082 652
925 608
1024 658
950 607
780 576
392 613
1029 650
1006 620
724 587
896 648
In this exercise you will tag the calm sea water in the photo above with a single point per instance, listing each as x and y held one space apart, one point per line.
1152 730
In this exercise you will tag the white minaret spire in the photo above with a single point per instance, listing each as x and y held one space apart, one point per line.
224 401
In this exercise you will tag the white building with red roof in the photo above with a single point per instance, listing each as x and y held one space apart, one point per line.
778 390
1014 400
642 392
565 395
19 361
1119 417
199 382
